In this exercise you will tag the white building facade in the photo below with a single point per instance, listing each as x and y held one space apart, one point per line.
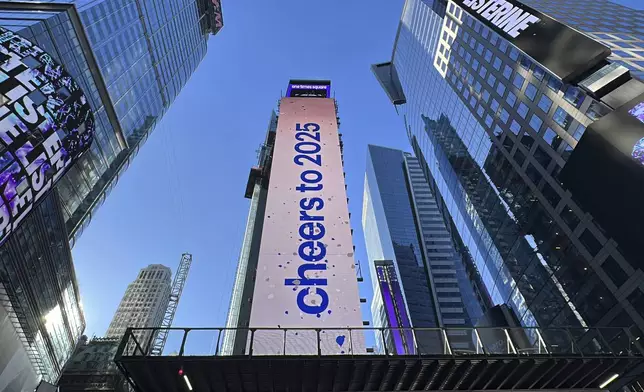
144 302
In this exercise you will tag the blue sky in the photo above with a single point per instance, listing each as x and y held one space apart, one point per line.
185 190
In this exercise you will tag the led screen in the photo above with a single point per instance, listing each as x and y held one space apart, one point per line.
306 274
45 124
395 309
606 177
638 111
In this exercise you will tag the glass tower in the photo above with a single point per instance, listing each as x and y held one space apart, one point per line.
492 130
417 267
131 58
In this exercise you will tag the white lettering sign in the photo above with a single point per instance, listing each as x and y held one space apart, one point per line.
508 17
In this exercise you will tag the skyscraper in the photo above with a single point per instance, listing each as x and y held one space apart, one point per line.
131 58
493 128
419 274
296 268
144 302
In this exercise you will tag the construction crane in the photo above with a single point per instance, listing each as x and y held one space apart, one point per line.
175 294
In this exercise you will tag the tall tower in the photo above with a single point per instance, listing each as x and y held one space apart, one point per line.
144 302
417 264
131 58
301 246
497 124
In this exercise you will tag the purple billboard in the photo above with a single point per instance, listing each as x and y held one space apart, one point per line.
395 309
46 123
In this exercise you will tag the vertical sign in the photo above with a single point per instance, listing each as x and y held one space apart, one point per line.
306 274
46 124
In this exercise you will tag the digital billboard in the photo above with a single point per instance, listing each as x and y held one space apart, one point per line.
562 50
45 124
605 174
395 308
306 275
309 88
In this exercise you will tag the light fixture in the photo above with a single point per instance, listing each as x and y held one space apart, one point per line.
185 378
609 380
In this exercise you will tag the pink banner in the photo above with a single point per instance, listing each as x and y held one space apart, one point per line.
306 274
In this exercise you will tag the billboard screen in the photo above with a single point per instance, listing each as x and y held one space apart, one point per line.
309 88
45 124
562 50
306 274
605 174
395 309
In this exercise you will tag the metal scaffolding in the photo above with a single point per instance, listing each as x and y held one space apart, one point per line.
175 294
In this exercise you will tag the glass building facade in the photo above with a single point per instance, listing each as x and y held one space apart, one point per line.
492 130
419 277
131 58
39 293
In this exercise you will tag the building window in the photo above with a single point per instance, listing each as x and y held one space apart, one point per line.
533 174
488 55
538 72
518 81
522 110
503 45
562 118
494 39
515 127
514 53
535 122
511 99
550 194
507 72
500 89
545 103
525 62
491 80
541 156
475 64
498 131
519 157
494 105
579 131
574 95
480 111
478 87
488 120
486 96
590 242
504 115
552 138
614 271
497 63
554 83
527 140
531 91
483 72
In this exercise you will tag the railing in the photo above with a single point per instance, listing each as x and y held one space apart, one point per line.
453 342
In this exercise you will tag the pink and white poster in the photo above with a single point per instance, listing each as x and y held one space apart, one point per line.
306 274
